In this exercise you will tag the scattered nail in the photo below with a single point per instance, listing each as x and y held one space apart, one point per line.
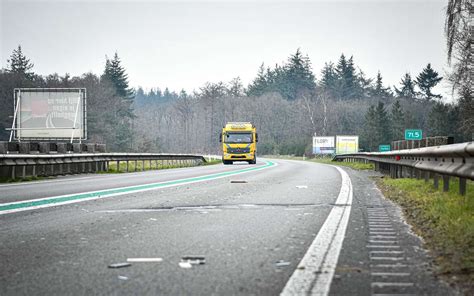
302 186
123 278
185 265
119 265
238 181
281 263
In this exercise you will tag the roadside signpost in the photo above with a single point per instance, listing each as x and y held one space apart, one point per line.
413 134
384 148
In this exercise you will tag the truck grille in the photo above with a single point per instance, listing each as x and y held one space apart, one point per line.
238 150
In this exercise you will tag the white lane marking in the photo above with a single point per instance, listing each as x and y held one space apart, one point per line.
390 274
382 237
382 232
388 258
387 252
397 265
378 246
121 193
382 242
383 284
315 271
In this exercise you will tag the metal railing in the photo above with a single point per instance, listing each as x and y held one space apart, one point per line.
456 160
32 165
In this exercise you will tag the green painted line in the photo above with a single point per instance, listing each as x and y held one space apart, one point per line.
104 193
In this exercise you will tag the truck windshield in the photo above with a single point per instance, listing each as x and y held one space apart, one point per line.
238 138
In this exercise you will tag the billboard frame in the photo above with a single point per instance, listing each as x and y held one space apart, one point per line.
333 150
16 125
349 136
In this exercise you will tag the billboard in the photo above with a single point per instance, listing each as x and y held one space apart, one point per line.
347 144
50 113
323 145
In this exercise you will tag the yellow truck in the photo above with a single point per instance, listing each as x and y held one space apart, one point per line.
239 142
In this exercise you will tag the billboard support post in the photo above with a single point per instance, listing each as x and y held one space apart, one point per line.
14 114
75 116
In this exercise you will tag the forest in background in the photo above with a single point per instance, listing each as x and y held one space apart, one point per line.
288 102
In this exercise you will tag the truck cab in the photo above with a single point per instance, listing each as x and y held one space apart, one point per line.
239 142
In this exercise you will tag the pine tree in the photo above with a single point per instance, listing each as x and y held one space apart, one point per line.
298 75
328 80
363 86
383 135
20 64
259 84
397 118
116 74
443 120
370 129
347 80
376 127
426 80
407 89
379 91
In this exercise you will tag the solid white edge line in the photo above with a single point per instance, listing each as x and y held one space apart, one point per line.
119 193
314 273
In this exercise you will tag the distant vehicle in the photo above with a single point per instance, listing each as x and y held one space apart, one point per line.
239 142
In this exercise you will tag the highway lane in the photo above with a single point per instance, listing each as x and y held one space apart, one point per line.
242 229
84 183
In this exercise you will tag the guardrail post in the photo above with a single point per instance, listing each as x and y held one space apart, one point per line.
436 181
13 172
427 177
445 183
143 165
136 166
462 186
127 165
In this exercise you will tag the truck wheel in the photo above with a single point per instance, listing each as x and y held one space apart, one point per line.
227 161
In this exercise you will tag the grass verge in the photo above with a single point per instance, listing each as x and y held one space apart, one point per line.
354 165
445 220
140 166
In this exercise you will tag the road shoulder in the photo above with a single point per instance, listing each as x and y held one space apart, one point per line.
380 254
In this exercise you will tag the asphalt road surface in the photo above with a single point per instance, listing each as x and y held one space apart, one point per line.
279 226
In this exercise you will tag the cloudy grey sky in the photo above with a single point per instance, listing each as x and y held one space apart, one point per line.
183 44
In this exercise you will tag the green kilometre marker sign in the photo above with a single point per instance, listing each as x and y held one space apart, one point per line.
413 134
384 148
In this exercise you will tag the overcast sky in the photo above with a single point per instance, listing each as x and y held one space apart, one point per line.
183 44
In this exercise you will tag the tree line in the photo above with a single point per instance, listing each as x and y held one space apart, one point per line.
287 102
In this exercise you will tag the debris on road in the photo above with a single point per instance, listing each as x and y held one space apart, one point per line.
302 186
281 263
189 261
123 278
238 181
119 265
141 260
185 265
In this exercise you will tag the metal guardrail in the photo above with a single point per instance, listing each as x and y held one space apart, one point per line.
27 165
456 160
